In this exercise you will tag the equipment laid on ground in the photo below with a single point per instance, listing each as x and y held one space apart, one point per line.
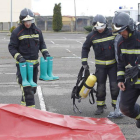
43 125
83 88
46 68
117 113
26 70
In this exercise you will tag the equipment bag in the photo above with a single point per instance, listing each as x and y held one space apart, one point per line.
82 77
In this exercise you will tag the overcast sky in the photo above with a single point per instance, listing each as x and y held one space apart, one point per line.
83 7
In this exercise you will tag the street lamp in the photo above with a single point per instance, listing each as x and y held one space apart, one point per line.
75 13
11 14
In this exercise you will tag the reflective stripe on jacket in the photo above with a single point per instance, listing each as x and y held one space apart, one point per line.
103 46
26 42
128 51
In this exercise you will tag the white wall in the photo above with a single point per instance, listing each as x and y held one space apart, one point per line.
17 6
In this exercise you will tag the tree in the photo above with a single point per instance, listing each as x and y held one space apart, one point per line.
57 18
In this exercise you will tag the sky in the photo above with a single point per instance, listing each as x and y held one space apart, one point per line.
83 7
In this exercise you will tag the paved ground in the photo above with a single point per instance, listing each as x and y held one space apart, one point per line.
66 50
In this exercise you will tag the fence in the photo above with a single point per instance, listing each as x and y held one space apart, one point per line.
45 23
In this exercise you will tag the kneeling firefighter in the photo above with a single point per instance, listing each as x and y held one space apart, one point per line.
102 41
84 87
25 42
128 75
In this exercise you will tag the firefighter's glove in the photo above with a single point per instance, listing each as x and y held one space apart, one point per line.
132 73
45 55
20 59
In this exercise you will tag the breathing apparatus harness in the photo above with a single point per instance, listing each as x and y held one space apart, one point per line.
81 79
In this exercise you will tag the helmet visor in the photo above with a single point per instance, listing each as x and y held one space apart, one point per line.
99 26
116 29
28 22
28 18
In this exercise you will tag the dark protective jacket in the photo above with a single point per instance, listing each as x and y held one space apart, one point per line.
103 46
128 51
27 42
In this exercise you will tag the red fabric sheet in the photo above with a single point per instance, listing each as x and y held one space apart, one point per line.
22 123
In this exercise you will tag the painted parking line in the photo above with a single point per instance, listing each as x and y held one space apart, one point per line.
52 42
41 99
83 37
70 57
68 50
79 42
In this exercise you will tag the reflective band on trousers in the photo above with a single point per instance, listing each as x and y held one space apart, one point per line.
23 103
114 102
31 61
132 51
100 102
138 81
109 62
120 73
28 36
103 39
32 106
138 117
84 59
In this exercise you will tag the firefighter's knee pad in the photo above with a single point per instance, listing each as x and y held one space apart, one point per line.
101 90
114 89
29 94
126 110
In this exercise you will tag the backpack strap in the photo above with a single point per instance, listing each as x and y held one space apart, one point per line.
75 90
92 96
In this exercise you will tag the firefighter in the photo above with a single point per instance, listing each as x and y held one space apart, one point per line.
25 42
102 40
128 60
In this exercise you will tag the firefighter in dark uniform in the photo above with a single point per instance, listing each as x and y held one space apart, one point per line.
128 58
25 42
102 40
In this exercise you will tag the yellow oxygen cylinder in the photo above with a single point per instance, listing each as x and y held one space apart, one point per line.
91 80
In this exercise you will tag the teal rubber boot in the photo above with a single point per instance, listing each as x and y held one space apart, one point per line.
50 68
23 72
43 70
30 74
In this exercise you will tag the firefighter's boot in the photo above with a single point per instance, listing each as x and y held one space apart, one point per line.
100 110
43 70
30 74
23 72
138 123
50 68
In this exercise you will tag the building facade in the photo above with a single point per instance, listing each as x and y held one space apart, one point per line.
17 6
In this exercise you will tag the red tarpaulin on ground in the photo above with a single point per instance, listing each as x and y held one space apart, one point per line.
23 123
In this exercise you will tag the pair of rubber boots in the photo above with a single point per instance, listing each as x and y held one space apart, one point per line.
26 71
46 68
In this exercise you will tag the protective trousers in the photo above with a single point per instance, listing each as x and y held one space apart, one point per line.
101 74
27 92
128 100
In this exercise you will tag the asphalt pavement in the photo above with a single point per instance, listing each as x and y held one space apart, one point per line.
55 96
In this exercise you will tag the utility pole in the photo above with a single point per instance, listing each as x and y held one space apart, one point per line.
11 15
75 13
